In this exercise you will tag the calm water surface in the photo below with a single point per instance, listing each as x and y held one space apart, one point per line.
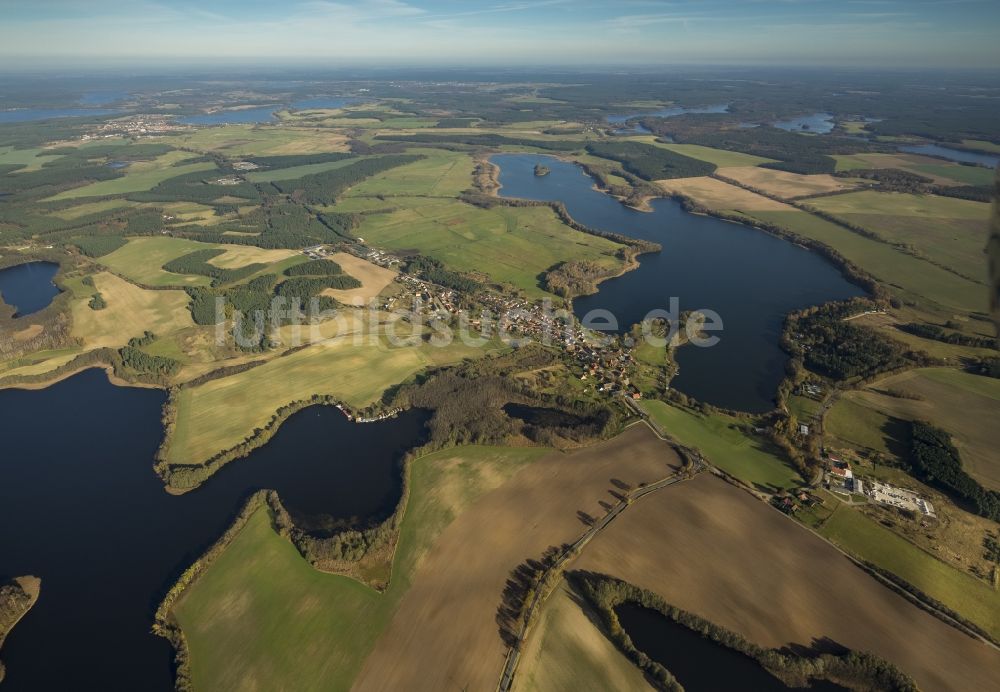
81 508
750 278
988 160
698 663
668 113
820 123
28 287
263 114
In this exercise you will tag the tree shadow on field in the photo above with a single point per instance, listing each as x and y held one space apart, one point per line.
519 591
818 647
620 484
898 436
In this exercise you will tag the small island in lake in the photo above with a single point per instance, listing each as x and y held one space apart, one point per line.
541 170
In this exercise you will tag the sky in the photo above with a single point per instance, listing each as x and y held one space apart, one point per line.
332 33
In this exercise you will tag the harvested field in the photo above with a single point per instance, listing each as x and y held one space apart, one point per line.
250 140
940 172
373 279
441 174
237 256
37 363
219 414
130 312
967 406
29 332
953 353
142 259
445 634
717 195
784 184
720 157
712 549
568 651
309 630
925 283
946 230
140 176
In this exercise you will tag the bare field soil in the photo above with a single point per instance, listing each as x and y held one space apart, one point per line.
236 256
785 184
568 651
373 279
718 195
444 634
712 549
130 311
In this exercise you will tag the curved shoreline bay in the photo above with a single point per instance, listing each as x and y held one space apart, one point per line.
108 542
751 279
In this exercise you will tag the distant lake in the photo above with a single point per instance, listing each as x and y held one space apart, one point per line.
669 112
329 102
820 123
988 160
82 509
22 115
28 287
264 114
750 278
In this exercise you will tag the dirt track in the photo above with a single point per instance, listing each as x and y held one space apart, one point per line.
712 549
444 635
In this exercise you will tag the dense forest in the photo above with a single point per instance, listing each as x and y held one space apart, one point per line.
253 300
324 188
933 331
840 350
935 461
196 187
651 162
580 277
278 224
794 152
197 263
319 267
98 246
430 269
468 403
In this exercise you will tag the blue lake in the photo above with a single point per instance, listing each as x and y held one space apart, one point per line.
751 279
820 123
264 114
669 112
83 510
988 160
28 287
